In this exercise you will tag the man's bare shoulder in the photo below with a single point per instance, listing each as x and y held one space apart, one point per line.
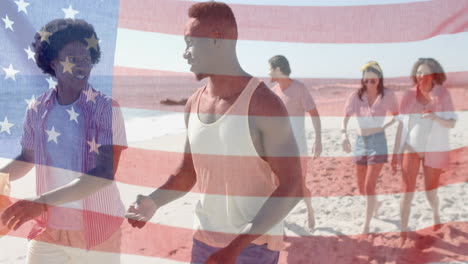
265 102
188 105
191 100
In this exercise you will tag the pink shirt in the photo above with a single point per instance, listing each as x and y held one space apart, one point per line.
371 116
296 98
298 101
437 151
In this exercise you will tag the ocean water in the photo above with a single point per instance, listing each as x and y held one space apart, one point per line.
152 120
142 125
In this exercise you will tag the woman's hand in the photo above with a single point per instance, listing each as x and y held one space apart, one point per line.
430 115
345 144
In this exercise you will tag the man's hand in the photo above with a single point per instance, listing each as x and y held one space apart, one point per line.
141 211
317 148
227 255
346 145
22 211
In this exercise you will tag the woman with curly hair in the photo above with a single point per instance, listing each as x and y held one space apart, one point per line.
73 136
370 104
426 115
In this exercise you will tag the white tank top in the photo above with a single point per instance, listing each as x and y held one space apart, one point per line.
234 181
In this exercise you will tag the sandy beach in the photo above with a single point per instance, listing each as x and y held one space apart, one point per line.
338 207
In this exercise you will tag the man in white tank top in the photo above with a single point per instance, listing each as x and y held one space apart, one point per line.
240 151
298 102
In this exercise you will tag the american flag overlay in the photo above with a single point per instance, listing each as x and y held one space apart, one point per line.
404 203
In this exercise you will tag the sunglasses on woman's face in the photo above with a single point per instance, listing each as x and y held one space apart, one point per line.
371 81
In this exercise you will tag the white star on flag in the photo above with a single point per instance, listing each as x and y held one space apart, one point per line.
30 54
32 103
67 66
6 126
52 83
22 6
73 115
90 95
44 35
53 135
10 72
8 23
93 146
92 42
70 12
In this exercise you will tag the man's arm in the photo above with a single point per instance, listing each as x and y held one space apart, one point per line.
314 115
20 166
97 178
89 183
184 177
178 184
280 151
345 144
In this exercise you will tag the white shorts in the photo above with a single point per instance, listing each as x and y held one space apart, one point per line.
68 246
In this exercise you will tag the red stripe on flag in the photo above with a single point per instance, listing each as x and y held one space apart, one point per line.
327 176
313 24
447 244
165 91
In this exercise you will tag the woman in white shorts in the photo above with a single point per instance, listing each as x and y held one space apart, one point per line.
426 115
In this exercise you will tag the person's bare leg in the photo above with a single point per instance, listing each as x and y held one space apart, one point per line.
373 172
307 195
431 181
361 171
310 211
378 204
410 169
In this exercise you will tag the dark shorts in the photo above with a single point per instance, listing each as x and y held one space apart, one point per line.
252 254
371 149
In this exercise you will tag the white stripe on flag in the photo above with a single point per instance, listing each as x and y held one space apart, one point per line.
156 51
140 130
333 214
317 2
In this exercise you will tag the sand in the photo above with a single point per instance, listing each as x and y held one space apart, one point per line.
339 211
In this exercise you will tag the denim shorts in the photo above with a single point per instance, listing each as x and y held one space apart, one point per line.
252 254
371 149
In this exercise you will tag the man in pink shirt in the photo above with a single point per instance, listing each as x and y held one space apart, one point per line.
298 102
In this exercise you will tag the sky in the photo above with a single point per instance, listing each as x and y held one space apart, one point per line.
308 60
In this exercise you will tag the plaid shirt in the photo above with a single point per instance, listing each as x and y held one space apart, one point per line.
103 210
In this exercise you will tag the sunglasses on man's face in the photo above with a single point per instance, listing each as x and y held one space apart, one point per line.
370 81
